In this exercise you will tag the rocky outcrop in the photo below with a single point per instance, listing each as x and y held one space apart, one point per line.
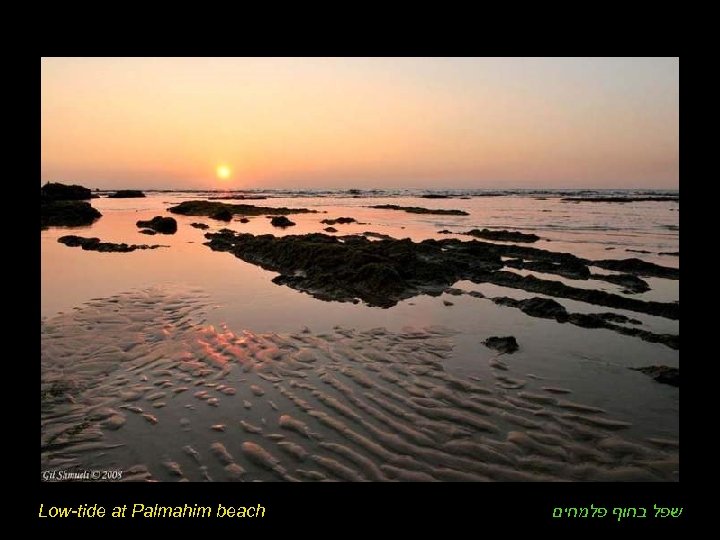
161 224
507 345
386 271
548 308
418 210
502 236
94 244
662 374
208 208
659 198
67 214
281 221
54 191
340 220
222 214
127 194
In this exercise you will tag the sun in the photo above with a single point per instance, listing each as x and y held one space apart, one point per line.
223 172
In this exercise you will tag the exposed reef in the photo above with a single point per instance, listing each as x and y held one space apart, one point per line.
94 244
67 214
670 198
506 344
127 194
281 221
547 308
383 272
163 225
210 208
662 374
340 220
55 191
419 210
503 236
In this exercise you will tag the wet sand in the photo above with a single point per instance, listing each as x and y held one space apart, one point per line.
140 382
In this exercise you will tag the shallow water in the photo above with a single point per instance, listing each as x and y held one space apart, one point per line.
221 291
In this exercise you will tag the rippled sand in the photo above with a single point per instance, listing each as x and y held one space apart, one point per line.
138 382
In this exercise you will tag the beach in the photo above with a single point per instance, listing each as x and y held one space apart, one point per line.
375 348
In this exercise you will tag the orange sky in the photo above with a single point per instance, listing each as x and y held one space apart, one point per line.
360 122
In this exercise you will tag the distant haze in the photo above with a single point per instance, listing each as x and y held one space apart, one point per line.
361 122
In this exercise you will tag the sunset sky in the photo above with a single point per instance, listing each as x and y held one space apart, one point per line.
360 122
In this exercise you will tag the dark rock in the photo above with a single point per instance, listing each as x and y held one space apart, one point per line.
448 303
147 231
127 194
662 374
638 267
330 229
617 318
281 221
445 231
671 253
238 197
550 309
381 236
67 214
202 226
558 289
632 284
77 241
638 250
54 191
503 236
672 198
208 208
244 220
536 307
328 267
163 225
573 269
94 244
506 344
418 210
222 215
434 196
340 220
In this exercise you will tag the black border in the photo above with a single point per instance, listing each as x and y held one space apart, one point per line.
333 508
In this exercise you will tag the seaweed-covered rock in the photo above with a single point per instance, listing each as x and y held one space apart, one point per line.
127 194
281 221
94 244
67 214
222 215
503 236
202 226
545 308
419 210
330 229
55 191
327 266
161 224
208 208
630 283
340 220
507 344
638 267
662 374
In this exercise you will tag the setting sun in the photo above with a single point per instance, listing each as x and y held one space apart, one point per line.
223 172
